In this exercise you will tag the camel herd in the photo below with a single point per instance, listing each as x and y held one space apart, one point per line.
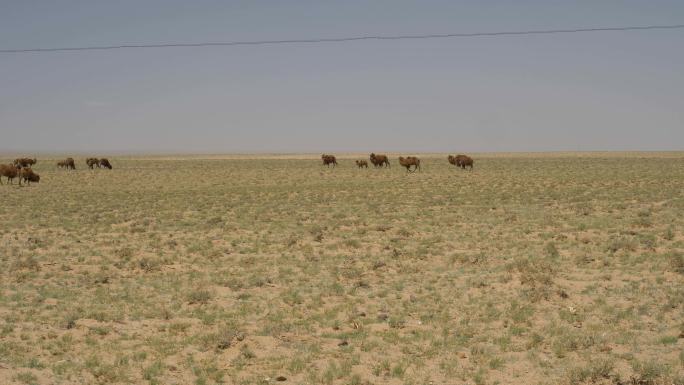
460 160
92 163
22 168
99 163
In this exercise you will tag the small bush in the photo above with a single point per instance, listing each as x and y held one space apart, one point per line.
27 263
591 373
551 250
26 378
676 262
199 296
650 373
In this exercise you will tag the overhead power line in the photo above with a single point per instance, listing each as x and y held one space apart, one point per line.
344 39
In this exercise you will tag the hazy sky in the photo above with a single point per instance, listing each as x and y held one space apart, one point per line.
584 91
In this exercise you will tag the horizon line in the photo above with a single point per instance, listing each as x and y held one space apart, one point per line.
10 153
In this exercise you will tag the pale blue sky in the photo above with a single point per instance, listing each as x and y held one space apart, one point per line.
584 91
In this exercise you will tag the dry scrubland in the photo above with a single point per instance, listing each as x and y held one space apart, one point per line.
533 269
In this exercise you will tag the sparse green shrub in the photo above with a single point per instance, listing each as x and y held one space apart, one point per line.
676 262
27 378
551 250
593 372
29 263
650 372
152 371
199 296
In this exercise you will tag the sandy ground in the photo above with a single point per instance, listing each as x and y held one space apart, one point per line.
539 268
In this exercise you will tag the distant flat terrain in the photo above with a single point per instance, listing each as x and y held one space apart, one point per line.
532 269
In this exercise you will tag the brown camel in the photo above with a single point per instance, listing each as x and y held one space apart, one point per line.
328 160
104 162
28 176
464 161
10 171
93 162
410 161
67 163
24 162
379 160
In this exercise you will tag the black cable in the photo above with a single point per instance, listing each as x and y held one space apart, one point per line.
344 39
